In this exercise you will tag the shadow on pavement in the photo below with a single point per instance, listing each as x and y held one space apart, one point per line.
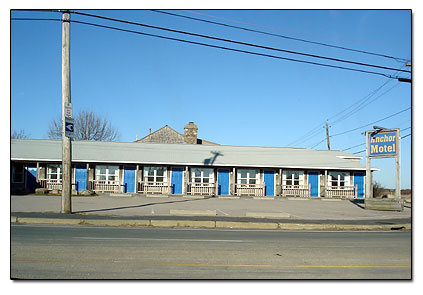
139 206
358 203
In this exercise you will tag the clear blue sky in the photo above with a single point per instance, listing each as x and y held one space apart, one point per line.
141 82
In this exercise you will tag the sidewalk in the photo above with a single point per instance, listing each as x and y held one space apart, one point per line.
209 212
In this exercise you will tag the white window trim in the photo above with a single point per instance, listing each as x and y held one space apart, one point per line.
58 171
257 178
202 177
291 174
146 176
346 179
107 181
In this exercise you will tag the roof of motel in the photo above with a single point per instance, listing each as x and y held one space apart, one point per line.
184 154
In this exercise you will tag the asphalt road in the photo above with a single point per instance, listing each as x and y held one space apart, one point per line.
83 252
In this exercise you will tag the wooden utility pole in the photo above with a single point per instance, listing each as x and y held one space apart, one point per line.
327 135
398 167
66 141
369 185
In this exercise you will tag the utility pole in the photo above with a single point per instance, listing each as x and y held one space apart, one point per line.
66 141
327 135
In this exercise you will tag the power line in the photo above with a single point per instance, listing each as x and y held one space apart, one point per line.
231 49
238 42
360 101
282 36
311 133
360 105
354 146
226 48
364 104
361 126
371 123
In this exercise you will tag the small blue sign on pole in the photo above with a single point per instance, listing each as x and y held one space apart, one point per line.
69 127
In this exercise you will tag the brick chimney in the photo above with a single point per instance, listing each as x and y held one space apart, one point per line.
190 135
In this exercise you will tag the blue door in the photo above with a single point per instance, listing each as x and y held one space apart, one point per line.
31 178
223 182
81 178
177 178
269 183
359 181
129 179
313 180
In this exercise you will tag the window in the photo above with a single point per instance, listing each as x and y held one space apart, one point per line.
155 174
109 174
339 179
248 176
202 175
54 171
17 173
293 177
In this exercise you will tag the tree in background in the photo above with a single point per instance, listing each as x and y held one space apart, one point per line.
19 134
88 126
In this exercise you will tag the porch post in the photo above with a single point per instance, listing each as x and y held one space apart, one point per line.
326 182
38 172
137 170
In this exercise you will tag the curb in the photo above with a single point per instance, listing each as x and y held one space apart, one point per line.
210 224
193 212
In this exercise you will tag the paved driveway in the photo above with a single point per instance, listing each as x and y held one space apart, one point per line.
147 206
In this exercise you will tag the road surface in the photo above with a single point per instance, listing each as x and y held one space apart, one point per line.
84 252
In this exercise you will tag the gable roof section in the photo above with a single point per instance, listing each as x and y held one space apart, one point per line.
184 154
167 134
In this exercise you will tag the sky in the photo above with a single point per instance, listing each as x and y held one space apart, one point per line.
140 82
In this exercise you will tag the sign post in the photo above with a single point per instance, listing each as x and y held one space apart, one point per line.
383 143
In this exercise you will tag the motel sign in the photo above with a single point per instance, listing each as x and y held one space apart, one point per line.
383 143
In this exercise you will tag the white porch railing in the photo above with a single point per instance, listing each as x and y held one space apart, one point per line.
153 188
342 192
202 189
106 186
52 184
301 191
255 190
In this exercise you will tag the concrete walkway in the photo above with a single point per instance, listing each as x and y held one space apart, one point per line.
275 213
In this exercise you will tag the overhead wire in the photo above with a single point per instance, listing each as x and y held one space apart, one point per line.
282 36
237 42
222 47
390 116
315 130
358 105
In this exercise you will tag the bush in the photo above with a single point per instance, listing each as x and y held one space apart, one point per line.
378 190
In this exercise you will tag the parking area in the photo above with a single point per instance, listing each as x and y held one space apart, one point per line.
242 207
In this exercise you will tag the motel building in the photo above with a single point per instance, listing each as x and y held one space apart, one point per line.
169 163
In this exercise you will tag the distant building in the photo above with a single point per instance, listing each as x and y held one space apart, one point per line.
168 135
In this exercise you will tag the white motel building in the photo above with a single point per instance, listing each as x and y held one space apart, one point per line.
177 164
